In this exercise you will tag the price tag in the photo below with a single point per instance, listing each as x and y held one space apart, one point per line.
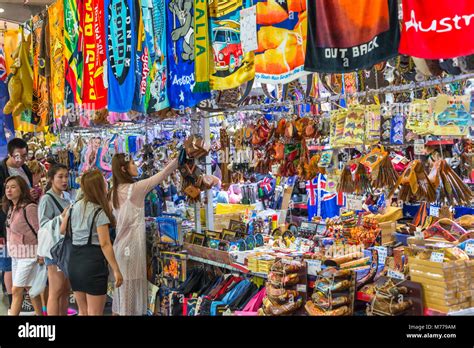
434 211
419 147
419 234
470 249
314 266
437 257
396 275
301 288
382 251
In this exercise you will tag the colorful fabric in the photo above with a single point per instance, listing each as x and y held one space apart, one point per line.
40 110
142 56
3 66
94 96
232 67
56 25
348 35
10 44
73 52
121 37
157 92
6 121
180 44
202 48
281 32
437 31
321 202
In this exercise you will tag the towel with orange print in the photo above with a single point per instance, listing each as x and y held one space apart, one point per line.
56 26
281 35
94 93
347 35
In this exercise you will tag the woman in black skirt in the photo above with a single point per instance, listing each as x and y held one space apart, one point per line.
88 222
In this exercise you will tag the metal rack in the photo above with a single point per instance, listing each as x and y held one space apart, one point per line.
229 267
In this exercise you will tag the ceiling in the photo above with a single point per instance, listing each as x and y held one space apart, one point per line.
18 12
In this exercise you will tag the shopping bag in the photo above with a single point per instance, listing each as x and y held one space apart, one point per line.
39 281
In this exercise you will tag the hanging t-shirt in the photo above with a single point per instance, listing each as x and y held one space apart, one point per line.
437 29
232 67
121 43
157 92
180 57
281 32
56 32
94 93
347 35
142 56
73 52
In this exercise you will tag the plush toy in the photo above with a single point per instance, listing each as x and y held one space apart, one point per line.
235 194
20 85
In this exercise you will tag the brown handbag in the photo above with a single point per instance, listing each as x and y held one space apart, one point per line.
192 191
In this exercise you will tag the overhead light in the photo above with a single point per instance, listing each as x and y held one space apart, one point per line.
2 10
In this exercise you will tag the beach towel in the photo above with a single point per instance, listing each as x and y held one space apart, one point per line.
121 46
281 33
348 35
73 52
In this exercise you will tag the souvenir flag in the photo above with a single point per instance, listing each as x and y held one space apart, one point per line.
281 32
94 93
3 66
231 67
347 35
142 56
180 55
437 30
321 202
73 52
266 184
202 48
157 92
6 121
120 29
56 31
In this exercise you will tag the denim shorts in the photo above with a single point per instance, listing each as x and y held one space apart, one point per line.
5 260
48 261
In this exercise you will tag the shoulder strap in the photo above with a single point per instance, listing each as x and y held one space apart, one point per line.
29 225
59 206
96 213
68 226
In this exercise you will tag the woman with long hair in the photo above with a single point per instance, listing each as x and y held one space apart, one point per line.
128 200
88 221
22 227
52 209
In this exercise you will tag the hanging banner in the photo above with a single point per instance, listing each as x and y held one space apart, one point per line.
121 46
348 35
94 93
40 109
180 45
56 25
10 44
73 52
444 30
202 49
157 92
232 67
142 56
282 28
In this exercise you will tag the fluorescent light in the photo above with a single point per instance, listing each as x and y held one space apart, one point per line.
2 10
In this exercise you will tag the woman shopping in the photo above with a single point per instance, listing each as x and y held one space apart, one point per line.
22 226
128 200
52 208
88 221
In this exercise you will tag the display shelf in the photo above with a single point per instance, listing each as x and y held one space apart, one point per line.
232 267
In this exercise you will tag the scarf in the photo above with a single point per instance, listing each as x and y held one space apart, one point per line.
40 89
142 59
56 25
94 96
157 92
281 33
180 45
72 52
436 31
201 47
121 36
232 67
348 35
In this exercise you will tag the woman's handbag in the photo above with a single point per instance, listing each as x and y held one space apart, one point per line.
61 251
